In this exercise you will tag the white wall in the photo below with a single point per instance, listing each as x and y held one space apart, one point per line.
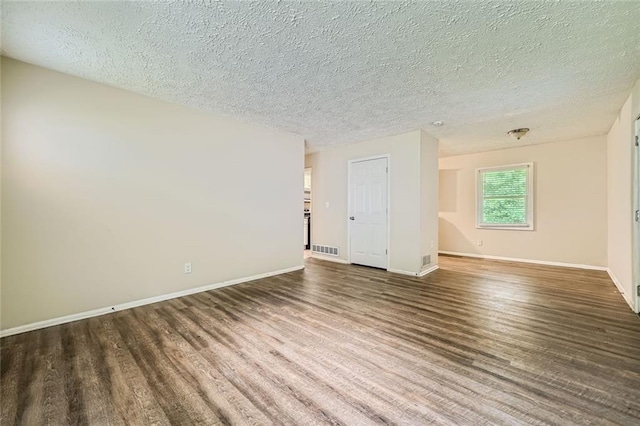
106 194
620 147
429 196
1 174
570 204
330 170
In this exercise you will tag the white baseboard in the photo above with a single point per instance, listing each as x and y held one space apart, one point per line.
395 271
413 274
625 296
329 258
515 259
402 272
428 270
136 303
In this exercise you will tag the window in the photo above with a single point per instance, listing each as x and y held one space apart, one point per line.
505 197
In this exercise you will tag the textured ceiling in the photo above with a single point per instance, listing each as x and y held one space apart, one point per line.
349 71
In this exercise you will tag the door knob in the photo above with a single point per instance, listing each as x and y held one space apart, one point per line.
352 218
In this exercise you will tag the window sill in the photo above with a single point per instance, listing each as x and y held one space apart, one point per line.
506 228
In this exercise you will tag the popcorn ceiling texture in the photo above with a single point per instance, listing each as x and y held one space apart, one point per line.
344 72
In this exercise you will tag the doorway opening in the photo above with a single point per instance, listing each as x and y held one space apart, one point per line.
307 213
368 209
636 223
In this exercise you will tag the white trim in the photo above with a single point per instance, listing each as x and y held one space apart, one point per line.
515 259
428 270
413 274
329 258
530 198
402 272
620 289
357 160
136 303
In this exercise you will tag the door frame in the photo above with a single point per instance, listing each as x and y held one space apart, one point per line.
304 190
358 160
636 225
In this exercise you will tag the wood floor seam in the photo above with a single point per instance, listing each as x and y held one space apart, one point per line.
474 342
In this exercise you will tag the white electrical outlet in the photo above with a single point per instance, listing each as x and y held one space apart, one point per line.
433 244
187 268
479 242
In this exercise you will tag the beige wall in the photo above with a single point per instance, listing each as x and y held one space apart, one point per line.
620 147
429 196
570 204
106 194
330 169
1 174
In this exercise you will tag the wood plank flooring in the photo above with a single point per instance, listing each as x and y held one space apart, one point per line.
476 342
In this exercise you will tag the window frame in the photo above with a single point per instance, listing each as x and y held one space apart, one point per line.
529 226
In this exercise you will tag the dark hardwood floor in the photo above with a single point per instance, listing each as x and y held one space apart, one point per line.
476 342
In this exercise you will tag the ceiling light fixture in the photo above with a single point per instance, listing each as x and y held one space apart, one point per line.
438 123
518 133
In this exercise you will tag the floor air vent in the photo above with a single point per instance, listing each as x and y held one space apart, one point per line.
328 250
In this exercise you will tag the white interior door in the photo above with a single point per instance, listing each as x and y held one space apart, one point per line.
368 212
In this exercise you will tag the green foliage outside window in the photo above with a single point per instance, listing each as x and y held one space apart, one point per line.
504 197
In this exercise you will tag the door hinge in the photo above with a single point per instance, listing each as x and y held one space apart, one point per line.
638 290
637 215
636 144
636 140
386 251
